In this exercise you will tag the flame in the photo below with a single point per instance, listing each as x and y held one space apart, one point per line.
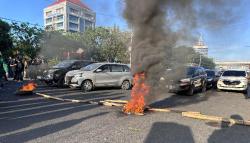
139 91
29 87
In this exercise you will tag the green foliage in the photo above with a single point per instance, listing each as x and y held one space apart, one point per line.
26 39
5 38
103 44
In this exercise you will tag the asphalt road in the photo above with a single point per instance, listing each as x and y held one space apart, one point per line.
35 119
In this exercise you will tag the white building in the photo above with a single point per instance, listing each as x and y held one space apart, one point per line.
226 65
200 47
69 15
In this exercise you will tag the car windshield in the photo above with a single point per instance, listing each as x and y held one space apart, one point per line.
234 73
91 67
190 71
210 73
64 64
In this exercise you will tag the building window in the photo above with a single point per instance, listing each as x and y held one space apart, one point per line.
59 10
48 20
88 24
73 26
73 18
73 11
60 25
59 17
48 13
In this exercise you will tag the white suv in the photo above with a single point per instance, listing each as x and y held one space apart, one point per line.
233 80
102 75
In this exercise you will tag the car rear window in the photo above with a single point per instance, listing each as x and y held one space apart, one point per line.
234 73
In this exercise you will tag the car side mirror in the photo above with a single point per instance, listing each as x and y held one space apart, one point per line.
98 70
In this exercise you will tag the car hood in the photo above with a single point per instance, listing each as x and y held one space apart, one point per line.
232 78
73 72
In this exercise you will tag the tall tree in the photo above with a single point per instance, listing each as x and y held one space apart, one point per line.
26 39
5 38
106 44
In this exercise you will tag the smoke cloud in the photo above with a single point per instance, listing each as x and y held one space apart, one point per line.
159 25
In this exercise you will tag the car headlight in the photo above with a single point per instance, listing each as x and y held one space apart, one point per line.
185 80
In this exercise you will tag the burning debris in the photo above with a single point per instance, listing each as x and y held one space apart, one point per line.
137 103
27 88
158 27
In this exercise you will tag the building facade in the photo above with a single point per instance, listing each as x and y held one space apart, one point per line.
69 16
245 65
200 47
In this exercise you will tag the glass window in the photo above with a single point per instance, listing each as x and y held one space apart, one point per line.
73 25
91 67
48 13
210 73
59 25
72 10
64 64
117 68
234 73
126 69
48 20
59 10
73 18
105 68
60 17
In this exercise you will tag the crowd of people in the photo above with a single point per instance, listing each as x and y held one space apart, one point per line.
16 67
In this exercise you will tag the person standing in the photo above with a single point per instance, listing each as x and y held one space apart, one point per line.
19 70
2 71
13 67
25 72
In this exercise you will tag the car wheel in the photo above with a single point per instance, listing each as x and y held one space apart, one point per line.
204 87
60 83
49 83
87 86
125 85
191 91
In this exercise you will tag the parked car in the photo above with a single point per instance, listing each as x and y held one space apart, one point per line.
233 80
56 74
212 78
195 79
103 75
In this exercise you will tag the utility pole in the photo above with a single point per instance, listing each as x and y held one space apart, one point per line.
130 47
200 61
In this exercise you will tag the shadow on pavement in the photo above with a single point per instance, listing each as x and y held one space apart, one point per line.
167 132
233 134
25 136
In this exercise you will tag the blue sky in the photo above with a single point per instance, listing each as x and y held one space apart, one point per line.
231 43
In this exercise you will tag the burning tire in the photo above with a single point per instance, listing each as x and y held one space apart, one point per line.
87 86
126 85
